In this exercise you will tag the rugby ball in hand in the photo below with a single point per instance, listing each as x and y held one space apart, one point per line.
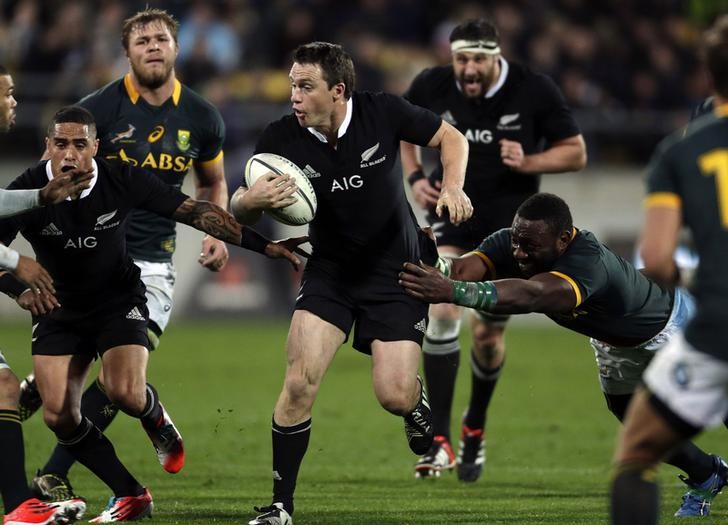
300 212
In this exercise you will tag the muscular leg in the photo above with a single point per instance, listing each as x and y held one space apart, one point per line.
60 382
394 375
644 440
311 346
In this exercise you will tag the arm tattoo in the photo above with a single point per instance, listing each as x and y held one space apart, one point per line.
209 218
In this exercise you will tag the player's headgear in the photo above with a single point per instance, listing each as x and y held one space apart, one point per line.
475 36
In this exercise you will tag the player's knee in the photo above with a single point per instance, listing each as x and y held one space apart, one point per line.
9 390
299 389
488 342
395 396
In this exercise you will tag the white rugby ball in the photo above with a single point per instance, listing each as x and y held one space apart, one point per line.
300 212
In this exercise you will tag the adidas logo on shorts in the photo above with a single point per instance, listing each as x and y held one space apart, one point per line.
135 314
421 325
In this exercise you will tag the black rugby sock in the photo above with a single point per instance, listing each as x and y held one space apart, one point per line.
151 416
13 483
289 447
481 391
440 373
93 450
698 465
96 406
635 497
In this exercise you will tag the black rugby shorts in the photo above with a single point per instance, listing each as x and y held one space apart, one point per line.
375 304
124 324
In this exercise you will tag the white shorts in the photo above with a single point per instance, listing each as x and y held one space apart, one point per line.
692 384
621 367
159 278
3 362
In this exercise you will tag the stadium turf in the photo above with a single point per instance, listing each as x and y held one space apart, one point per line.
550 437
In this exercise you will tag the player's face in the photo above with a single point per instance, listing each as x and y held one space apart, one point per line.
71 145
535 248
312 100
7 103
151 51
476 72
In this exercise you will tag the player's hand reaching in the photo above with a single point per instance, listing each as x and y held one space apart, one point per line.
34 275
426 283
512 154
70 183
214 254
271 191
285 248
425 194
37 303
457 203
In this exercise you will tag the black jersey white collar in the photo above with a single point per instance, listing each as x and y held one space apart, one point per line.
344 125
499 84
84 193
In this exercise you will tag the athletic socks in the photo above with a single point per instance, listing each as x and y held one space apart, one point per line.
152 413
13 483
90 447
634 496
96 406
289 447
698 465
481 391
441 360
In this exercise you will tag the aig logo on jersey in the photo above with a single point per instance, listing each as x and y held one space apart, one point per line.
479 136
79 243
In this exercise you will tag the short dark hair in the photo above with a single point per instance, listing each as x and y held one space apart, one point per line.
549 208
336 64
74 114
3 70
143 18
715 54
480 29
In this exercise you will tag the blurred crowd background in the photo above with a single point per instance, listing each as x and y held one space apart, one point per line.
628 68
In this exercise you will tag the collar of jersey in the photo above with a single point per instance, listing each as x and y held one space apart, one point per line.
344 125
134 95
84 193
499 84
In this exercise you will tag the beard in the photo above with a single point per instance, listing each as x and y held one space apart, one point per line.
153 80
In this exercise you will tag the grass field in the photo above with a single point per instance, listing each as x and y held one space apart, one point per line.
550 437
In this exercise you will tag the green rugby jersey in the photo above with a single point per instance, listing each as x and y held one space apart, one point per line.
615 303
164 140
689 171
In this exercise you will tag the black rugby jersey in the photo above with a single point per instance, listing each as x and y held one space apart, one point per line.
363 217
615 302
689 171
528 108
82 243
164 140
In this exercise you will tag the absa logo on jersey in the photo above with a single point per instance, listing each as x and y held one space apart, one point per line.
479 136
347 183
164 161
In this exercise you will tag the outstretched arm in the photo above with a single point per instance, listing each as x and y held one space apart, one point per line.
212 219
545 292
